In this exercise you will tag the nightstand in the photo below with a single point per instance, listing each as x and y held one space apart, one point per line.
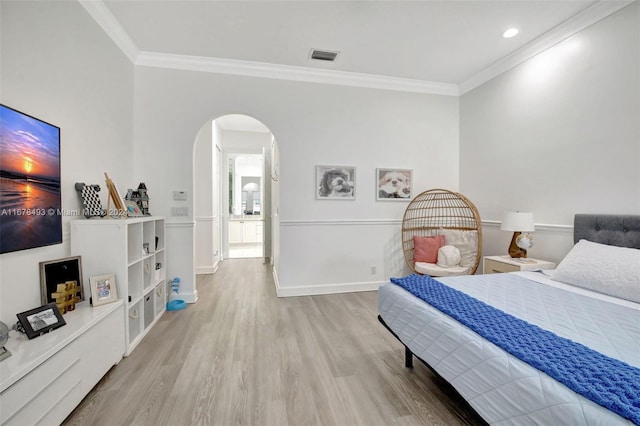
498 264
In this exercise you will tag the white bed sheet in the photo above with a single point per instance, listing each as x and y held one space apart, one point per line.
500 387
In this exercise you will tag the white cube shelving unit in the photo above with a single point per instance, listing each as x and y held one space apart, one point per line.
118 246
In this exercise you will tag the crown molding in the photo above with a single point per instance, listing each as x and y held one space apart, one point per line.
103 16
292 73
568 28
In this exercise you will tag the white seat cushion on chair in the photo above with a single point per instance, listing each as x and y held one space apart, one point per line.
434 270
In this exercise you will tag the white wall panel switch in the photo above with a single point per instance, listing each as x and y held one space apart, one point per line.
179 211
180 195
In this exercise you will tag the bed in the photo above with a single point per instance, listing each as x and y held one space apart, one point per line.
591 301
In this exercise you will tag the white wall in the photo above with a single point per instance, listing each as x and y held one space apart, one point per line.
244 141
58 65
274 208
204 194
313 124
557 135
218 179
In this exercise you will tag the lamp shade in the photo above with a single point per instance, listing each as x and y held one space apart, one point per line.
517 222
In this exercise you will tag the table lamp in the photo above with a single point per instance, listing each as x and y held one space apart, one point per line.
520 223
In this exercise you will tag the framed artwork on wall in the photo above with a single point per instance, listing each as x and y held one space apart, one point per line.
335 182
30 199
393 184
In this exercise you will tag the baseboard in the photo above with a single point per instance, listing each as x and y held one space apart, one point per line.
187 297
312 290
203 270
275 278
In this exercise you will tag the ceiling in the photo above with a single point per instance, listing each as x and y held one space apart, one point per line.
446 41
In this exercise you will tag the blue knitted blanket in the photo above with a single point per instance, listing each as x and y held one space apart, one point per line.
606 381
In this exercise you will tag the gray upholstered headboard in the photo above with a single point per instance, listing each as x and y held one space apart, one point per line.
614 230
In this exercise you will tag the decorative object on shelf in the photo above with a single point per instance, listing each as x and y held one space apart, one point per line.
520 223
39 321
4 337
132 208
140 197
393 184
60 271
91 205
103 289
120 209
335 182
66 296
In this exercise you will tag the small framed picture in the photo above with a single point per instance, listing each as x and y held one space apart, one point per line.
60 271
103 289
393 184
133 210
41 320
335 182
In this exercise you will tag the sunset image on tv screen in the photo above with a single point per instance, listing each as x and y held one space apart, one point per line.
30 200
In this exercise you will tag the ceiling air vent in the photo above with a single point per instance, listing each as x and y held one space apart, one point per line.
323 55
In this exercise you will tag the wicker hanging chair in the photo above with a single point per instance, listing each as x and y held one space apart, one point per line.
435 212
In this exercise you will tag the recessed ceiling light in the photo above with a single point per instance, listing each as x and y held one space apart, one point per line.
510 32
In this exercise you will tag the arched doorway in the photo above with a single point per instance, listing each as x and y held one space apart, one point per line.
233 203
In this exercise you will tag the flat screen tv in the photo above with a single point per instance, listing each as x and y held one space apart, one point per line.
30 199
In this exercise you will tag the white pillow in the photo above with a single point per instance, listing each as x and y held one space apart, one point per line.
448 256
606 269
465 241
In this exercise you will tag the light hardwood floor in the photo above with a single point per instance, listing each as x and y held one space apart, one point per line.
242 356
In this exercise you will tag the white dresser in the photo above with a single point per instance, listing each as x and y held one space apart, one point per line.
46 378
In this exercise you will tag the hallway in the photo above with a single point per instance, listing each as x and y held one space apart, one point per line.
245 251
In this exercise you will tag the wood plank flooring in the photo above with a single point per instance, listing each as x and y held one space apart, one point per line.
242 356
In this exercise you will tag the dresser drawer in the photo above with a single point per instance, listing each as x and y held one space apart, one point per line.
493 267
32 397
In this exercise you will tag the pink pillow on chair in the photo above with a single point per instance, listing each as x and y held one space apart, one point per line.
425 249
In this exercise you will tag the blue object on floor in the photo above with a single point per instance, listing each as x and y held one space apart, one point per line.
175 285
176 305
